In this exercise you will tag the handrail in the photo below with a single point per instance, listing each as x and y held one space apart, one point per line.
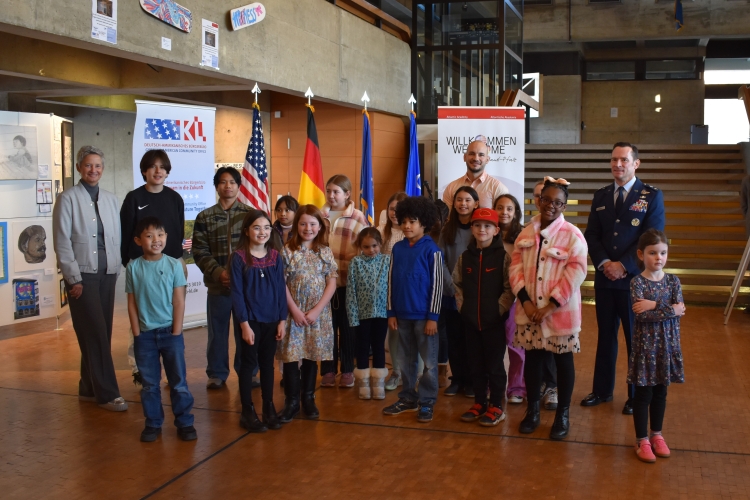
368 12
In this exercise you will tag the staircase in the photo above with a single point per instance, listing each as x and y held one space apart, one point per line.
701 185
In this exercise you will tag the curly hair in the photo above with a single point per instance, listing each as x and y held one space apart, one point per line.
420 208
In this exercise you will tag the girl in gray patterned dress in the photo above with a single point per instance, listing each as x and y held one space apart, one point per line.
656 360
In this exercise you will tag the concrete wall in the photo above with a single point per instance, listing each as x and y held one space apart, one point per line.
299 44
634 19
112 133
560 122
340 138
637 120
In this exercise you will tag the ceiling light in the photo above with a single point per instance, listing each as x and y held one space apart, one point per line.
658 110
657 98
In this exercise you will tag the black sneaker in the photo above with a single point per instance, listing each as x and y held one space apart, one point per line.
187 433
452 389
469 391
137 379
424 414
400 406
150 434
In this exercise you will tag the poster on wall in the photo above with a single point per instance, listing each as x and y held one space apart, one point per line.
503 129
43 192
63 293
30 245
104 20
25 298
210 44
3 252
186 133
18 152
67 153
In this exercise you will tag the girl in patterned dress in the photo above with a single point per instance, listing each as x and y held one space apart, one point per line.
547 269
311 271
656 359
366 298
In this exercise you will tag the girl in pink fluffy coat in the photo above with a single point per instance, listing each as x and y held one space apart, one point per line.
547 269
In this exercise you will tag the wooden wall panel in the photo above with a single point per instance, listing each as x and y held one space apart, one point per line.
340 138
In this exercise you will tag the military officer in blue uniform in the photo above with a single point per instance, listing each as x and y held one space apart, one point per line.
620 213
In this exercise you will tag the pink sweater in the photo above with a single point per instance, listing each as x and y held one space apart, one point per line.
562 269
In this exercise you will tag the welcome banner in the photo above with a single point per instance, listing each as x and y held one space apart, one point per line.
186 133
505 133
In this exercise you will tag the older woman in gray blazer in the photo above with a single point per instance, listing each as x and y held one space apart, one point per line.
86 223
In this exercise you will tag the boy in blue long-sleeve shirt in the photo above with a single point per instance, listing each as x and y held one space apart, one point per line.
415 288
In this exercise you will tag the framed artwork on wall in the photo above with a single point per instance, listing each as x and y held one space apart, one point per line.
18 152
63 294
67 153
3 252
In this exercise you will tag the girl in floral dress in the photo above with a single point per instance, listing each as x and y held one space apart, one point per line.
656 359
311 271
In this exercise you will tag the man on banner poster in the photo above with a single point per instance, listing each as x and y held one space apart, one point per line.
487 187
501 132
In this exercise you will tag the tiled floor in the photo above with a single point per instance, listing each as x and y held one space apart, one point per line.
53 446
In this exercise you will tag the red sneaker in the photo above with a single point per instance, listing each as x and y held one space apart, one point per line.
659 445
643 451
474 413
494 416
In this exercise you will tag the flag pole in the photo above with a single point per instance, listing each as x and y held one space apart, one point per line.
256 91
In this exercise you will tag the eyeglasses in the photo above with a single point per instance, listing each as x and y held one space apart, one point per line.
555 203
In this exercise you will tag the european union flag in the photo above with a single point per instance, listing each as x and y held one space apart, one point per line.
678 20
413 179
366 189
162 130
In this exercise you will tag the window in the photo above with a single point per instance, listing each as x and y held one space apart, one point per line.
612 70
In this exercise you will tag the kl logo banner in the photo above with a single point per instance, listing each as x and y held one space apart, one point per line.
174 130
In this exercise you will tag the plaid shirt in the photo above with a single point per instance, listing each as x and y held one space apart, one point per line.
341 237
210 246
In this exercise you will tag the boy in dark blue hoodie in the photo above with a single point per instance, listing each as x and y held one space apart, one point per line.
415 288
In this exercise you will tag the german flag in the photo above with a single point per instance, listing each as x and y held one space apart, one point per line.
311 188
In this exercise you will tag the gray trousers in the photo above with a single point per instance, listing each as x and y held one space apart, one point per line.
92 320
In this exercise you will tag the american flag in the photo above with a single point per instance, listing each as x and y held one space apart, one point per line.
164 130
254 186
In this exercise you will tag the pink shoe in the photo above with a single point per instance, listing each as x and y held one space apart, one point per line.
328 380
660 446
643 451
346 380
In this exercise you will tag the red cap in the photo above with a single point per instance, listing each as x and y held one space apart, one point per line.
485 214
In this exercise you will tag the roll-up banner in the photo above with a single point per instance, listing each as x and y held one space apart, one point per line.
186 133
505 133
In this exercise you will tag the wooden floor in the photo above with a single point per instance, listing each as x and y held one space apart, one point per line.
53 446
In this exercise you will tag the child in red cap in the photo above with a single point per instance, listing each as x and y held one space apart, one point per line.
484 297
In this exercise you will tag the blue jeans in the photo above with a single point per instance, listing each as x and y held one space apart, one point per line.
218 311
149 346
413 343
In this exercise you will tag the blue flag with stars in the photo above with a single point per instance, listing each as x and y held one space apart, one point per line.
366 188
413 179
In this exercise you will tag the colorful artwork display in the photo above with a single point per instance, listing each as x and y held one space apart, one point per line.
169 12
25 298
242 17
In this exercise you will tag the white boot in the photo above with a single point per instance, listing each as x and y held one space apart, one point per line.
363 382
378 382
